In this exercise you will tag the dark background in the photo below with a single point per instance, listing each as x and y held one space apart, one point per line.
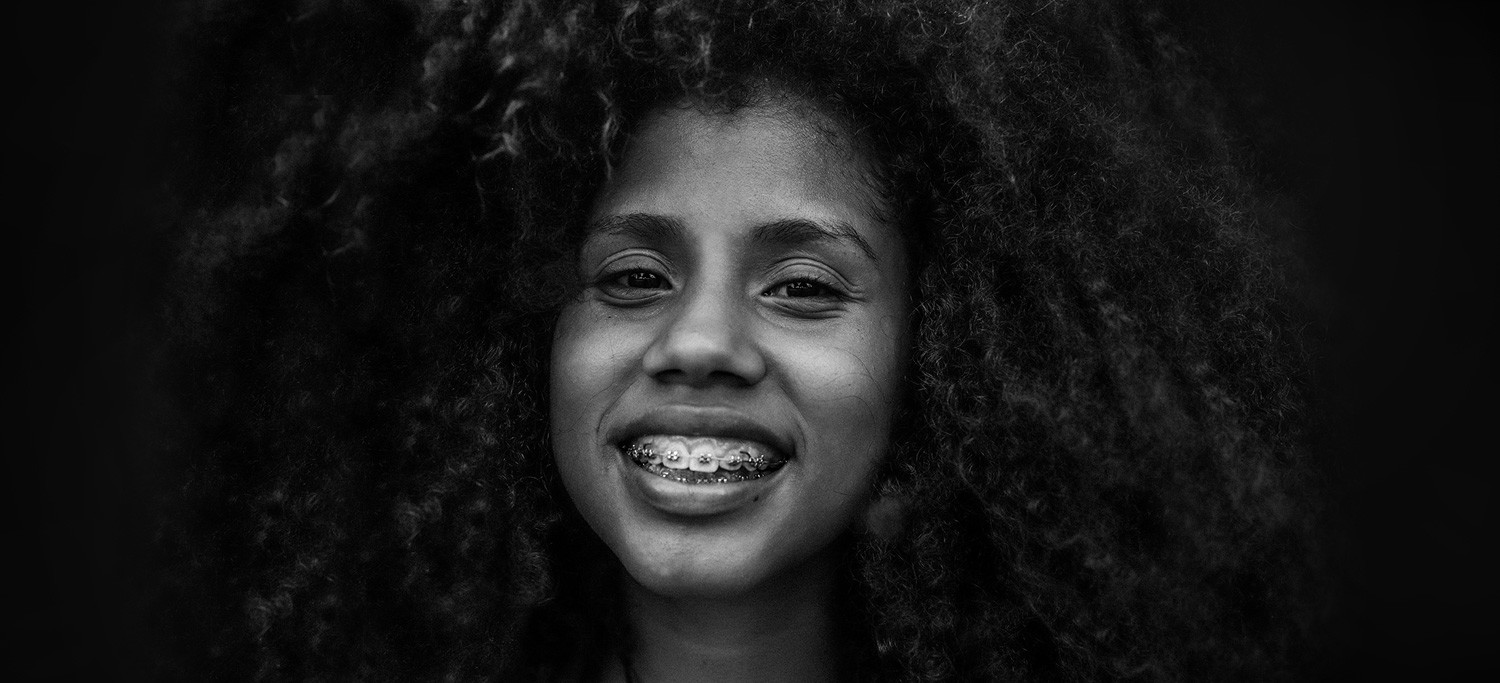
1379 121
1382 122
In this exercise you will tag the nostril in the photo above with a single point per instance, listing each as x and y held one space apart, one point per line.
719 377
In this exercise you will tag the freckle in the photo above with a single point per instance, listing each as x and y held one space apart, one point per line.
757 499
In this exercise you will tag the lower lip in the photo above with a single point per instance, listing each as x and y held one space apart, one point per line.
695 500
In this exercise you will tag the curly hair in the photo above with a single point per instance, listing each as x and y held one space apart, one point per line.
1101 471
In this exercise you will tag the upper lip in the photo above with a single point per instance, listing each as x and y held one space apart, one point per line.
700 421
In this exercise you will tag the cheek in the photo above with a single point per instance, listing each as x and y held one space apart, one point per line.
579 372
849 393
580 382
593 360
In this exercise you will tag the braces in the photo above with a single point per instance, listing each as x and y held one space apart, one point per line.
755 467
646 456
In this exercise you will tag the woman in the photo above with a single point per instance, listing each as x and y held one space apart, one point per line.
784 341
723 392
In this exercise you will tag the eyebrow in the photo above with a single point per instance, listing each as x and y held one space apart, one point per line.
794 232
786 232
646 227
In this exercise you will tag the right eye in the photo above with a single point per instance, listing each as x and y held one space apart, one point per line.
642 279
633 285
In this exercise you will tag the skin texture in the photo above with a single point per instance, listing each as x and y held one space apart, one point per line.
713 307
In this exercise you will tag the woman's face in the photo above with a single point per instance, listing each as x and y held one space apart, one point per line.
723 390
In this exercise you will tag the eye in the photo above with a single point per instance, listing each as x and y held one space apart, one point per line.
807 294
800 288
632 285
642 279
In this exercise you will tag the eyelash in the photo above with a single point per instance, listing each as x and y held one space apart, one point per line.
615 285
640 271
618 280
830 289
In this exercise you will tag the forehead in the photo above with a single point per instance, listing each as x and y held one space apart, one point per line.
767 161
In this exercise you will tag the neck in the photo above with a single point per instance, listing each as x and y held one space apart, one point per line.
782 631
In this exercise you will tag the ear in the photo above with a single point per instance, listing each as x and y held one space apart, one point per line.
884 516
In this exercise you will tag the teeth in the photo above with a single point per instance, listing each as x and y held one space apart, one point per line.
645 454
703 463
702 456
733 459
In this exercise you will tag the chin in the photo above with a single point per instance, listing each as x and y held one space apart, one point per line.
696 572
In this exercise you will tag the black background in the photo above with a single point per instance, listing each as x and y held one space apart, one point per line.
1380 121
1383 121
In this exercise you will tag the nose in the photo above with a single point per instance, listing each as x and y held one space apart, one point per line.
705 340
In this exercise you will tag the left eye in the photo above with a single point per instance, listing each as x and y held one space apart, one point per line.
802 288
798 289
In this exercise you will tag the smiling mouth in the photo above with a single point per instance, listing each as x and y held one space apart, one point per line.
702 459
